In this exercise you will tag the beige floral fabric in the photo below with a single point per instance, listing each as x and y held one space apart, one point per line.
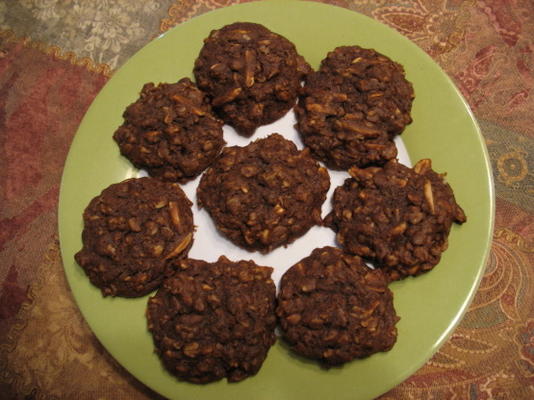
107 31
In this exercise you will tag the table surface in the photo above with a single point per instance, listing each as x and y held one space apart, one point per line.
55 56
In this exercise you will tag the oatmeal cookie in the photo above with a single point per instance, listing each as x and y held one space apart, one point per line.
264 195
214 320
333 308
170 131
331 123
130 232
350 110
395 216
386 95
251 74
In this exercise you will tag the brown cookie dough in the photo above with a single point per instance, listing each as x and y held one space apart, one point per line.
349 111
333 308
130 231
214 320
264 195
395 216
251 74
170 131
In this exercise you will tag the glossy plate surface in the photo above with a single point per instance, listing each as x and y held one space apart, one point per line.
430 306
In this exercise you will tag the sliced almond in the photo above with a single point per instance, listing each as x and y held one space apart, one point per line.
186 102
175 215
250 66
181 247
399 229
422 166
429 196
226 97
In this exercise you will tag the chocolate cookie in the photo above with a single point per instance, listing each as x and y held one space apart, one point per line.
170 131
350 110
251 74
332 123
385 95
211 321
333 308
130 231
395 216
265 194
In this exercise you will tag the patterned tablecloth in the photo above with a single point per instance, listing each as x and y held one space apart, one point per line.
55 56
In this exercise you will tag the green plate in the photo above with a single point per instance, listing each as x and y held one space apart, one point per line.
430 306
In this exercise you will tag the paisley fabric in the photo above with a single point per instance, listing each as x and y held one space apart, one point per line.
56 55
